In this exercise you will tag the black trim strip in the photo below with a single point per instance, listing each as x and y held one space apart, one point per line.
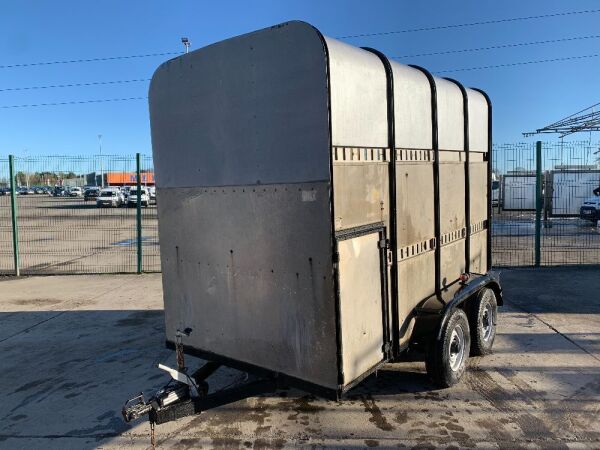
467 179
436 180
489 187
334 255
393 234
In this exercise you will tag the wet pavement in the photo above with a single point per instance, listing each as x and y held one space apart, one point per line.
73 348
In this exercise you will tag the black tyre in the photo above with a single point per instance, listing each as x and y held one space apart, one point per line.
482 319
447 357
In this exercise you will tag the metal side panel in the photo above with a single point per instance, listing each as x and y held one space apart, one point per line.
450 115
479 252
249 270
361 194
414 203
358 97
412 107
452 197
453 261
416 281
248 110
361 305
478 191
478 122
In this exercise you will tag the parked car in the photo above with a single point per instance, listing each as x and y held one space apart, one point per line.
152 192
125 191
59 191
75 192
590 210
132 198
25 190
91 193
109 197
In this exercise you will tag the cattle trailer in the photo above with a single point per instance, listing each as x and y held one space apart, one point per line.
322 210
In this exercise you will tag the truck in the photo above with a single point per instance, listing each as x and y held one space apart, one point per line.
324 211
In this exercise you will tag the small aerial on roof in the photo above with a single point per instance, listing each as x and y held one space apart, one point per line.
587 119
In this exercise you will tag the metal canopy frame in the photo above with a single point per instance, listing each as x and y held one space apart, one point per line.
587 119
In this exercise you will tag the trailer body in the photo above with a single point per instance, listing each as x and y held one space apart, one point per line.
316 201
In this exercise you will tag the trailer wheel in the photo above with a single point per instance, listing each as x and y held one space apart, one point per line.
447 357
482 320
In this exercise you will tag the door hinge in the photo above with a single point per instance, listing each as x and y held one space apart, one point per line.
386 347
384 243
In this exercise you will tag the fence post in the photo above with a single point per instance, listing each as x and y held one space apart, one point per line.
13 211
139 212
538 202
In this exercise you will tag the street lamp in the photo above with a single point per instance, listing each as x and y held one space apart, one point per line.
26 159
101 165
186 42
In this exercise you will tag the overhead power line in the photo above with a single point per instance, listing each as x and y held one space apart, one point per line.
91 83
471 24
71 61
539 61
494 47
568 58
75 102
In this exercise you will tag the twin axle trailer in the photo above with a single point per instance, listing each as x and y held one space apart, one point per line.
323 210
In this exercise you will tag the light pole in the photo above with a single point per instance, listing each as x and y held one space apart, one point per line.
101 164
26 167
186 42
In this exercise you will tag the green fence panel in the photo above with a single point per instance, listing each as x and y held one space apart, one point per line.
553 181
63 231
6 233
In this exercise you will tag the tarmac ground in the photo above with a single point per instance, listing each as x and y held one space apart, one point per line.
74 348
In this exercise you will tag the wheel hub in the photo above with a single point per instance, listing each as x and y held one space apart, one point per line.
457 348
486 322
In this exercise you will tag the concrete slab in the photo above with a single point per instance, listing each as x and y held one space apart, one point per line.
73 348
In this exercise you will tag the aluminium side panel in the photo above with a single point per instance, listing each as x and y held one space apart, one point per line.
478 122
414 192
360 158
359 136
241 149
451 139
412 108
450 115
478 174
358 97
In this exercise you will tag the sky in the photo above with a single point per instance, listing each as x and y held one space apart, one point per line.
525 97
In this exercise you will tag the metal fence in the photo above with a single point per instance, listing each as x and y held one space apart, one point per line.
539 190
61 231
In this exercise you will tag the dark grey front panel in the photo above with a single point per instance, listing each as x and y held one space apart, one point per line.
249 269
248 110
